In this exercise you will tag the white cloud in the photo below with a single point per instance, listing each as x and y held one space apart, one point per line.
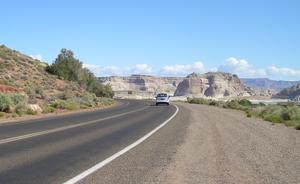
143 69
233 65
283 71
183 70
38 57
241 67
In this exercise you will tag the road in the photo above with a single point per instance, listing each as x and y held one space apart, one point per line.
56 156
201 144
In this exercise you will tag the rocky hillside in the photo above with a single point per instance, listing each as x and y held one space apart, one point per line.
212 84
141 86
24 82
265 83
267 87
28 75
292 93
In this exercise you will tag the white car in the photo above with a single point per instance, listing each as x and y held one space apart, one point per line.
162 98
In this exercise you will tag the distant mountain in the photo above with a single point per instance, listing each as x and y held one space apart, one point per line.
292 93
265 83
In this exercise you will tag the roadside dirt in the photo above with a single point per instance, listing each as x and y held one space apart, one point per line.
223 146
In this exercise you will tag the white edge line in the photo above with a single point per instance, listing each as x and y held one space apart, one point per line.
118 154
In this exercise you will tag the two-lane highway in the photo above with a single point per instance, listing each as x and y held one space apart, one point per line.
55 149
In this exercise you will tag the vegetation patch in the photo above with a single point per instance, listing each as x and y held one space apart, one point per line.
286 114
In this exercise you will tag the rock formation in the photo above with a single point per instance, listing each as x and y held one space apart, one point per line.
292 93
212 84
141 86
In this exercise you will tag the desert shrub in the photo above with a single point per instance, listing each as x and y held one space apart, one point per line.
18 99
5 102
197 101
14 115
4 81
275 118
232 104
20 109
214 103
39 90
65 104
88 100
31 112
2 114
291 113
245 103
59 104
293 123
70 105
48 109
298 127
105 101
103 91
67 94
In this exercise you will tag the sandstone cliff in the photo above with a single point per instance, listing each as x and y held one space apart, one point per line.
141 86
212 84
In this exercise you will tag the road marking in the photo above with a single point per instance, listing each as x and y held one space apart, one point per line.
118 154
13 139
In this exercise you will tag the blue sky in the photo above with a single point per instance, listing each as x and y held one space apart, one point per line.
252 38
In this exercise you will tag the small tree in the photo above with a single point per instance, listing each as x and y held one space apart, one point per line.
67 67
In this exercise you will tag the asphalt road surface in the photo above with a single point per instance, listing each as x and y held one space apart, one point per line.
201 144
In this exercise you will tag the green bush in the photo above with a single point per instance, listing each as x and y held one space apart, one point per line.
88 100
59 104
5 103
213 103
2 114
20 109
198 101
65 104
31 112
18 99
14 115
48 109
275 118
71 105
105 101
245 103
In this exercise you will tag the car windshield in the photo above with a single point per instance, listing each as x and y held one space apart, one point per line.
162 95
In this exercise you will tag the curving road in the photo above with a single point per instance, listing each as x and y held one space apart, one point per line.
53 150
195 144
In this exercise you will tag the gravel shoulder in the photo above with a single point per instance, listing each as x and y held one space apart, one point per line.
223 146
205 144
